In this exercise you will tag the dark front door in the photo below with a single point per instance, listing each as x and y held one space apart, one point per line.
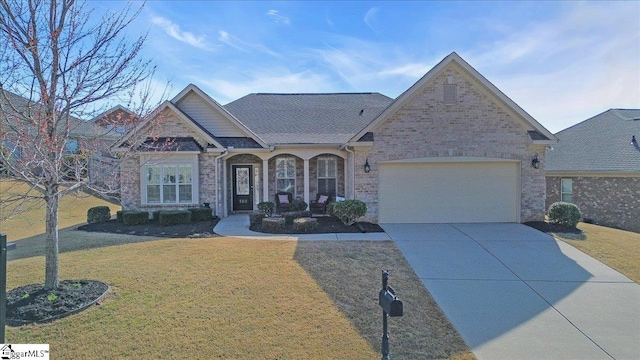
242 187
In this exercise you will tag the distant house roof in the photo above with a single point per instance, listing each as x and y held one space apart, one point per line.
599 144
78 128
308 118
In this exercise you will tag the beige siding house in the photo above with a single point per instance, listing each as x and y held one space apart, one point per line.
452 148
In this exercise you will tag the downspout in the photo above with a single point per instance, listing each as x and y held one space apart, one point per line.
217 182
353 171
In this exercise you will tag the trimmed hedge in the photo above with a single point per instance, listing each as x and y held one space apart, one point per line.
256 218
175 217
298 205
200 214
348 211
119 215
564 214
272 224
155 215
266 207
304 225
98 214
289 216
133 217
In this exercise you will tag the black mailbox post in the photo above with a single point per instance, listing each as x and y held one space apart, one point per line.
391 306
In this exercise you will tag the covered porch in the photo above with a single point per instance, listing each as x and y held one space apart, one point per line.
249 178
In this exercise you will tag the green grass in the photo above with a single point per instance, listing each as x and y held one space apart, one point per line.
228 298
27 217
617 248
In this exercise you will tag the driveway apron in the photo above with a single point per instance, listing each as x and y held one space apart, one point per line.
516 293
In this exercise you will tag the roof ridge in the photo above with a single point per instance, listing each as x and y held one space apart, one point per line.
324 93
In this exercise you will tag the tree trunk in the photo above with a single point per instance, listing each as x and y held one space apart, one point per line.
52 198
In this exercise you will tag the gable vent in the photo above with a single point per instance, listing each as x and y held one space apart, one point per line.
450 94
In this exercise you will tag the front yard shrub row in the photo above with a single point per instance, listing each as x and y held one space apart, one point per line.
174 217
256 218
289 216
134 217
564 214
266 208
298 205
98 214
164 217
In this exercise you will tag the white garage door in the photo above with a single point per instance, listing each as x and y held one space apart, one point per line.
435 192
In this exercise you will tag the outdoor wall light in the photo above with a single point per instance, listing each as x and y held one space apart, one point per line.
535 162
367 167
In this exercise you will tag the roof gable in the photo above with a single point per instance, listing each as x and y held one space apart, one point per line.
210 115
599 144
543 135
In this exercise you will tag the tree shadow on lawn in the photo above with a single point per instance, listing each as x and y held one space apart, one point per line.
73 239
350 273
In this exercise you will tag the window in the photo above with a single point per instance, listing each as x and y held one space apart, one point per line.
566 190
169 184
71 147
286 174
327 170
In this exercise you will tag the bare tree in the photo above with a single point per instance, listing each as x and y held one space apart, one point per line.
60 64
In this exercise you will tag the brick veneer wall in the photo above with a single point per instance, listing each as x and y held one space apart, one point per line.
477 125
608 201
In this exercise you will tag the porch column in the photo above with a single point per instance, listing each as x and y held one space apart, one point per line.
224 188
265 180
306 180
348 184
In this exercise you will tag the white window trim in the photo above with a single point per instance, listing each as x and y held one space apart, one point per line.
562 193
173 159
284 158
325 176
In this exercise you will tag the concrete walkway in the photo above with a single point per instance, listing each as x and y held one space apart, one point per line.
516 293
238 226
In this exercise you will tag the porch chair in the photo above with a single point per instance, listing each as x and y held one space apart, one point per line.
283 201
319 205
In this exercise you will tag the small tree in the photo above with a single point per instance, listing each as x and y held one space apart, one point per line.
348 211
57 67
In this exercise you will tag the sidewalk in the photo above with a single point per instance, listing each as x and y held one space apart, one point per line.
238 226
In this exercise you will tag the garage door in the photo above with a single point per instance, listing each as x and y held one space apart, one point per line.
435 192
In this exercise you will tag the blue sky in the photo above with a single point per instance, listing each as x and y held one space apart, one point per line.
563 62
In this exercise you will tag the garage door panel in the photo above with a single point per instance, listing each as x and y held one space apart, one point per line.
448 192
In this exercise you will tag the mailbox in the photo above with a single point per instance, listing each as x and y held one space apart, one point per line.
390 302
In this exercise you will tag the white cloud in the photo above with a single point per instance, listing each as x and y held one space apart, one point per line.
174 31
370 17
234 42
275 15
272 81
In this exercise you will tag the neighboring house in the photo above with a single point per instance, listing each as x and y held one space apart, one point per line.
117 119
451 148
596 165
84 137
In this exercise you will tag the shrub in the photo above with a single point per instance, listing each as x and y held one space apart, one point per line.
304 225
256 218
98 214
330 208
349 211
119 215
200 214
175 217
289 216
272 224
155 215
266 207
133 217
564 214
298 205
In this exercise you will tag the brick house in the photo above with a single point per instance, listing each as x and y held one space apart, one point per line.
451 148
596 165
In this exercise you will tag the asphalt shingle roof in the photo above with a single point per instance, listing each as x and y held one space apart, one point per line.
599 144
308 118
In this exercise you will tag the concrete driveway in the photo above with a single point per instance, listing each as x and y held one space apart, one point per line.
516 293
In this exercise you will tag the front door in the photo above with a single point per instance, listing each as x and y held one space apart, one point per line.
242 187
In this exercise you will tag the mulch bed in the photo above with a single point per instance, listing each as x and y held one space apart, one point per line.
327 225
32 303
196 229
552 228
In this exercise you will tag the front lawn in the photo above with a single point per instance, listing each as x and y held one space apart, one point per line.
617 248
230 298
